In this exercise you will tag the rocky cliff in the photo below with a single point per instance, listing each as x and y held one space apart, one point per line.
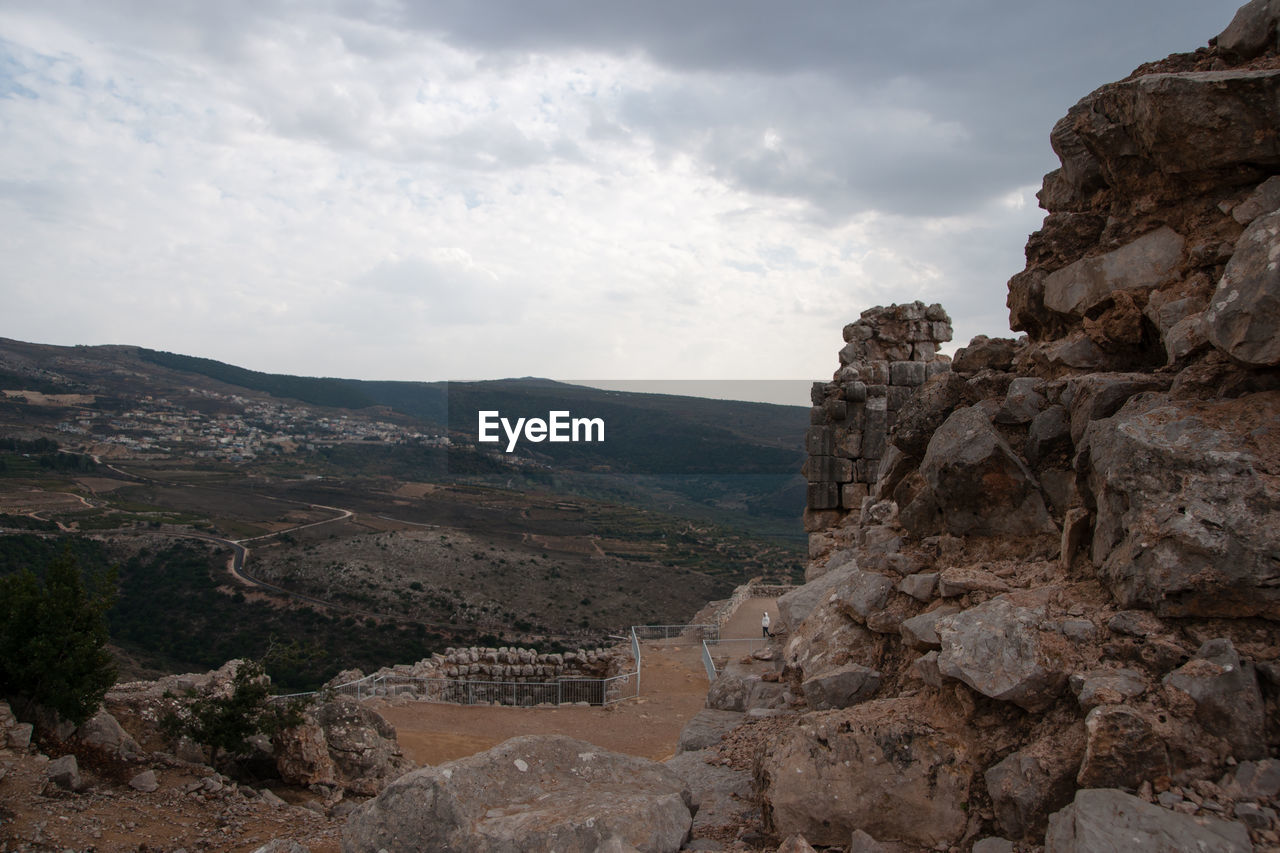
1062 559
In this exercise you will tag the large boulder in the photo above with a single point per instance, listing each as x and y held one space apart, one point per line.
1194 124
827 639
731 689
1186 495
1000 650
341 744
103 731
1252 30
1032 783
980 486
532 793
796 605
1122 749
1105 820
928 408
1243 319
841 687
880 767
720 796
707 728
1227 698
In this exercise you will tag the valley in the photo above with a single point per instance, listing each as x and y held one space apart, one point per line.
243 523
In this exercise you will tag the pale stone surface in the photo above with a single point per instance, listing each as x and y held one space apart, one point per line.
102 730
796 605
65 773
1111 821
1243 318
706 728
343 744
841 687
998 649
145 782
719 795
1147 261
1108 686
533 793
1186 506
920 632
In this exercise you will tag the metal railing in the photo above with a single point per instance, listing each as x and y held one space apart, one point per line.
708 661
666 632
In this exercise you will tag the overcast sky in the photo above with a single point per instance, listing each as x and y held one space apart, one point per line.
475 189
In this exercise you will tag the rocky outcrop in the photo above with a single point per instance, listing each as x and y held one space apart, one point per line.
535 793
1065 565
1185 496
341 744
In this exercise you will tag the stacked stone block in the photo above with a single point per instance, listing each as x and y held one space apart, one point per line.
513 664
888 353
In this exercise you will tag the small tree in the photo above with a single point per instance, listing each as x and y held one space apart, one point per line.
225 723
53 637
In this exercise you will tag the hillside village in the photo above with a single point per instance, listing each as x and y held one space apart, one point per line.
248 429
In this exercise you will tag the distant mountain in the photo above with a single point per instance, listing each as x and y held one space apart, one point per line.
720 453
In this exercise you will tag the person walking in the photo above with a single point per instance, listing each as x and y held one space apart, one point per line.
764 624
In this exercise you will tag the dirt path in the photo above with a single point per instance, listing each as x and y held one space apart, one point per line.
745 622
673 687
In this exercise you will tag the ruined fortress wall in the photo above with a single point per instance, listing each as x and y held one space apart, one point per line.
888 353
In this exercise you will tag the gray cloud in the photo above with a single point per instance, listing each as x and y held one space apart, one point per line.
498 187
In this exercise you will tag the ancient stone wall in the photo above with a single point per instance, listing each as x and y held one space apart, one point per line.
888 352
514 665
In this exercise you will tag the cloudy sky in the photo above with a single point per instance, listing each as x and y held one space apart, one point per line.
477 189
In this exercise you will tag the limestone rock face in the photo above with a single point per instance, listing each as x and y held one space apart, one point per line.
533 793
1145 262
1244 313
795 606
1103 820
979 484
999 649
927 409
1095 499
1186 497
878 767
1181 124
